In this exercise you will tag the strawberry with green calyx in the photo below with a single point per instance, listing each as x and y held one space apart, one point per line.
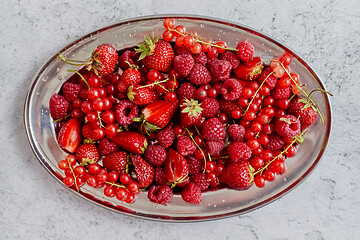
249 70
156 54
69 137
191 112
133 142
138 95
87 154
176 168
144 170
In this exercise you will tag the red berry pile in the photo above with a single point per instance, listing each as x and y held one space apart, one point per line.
179 115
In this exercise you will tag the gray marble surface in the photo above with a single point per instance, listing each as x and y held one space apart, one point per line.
326 206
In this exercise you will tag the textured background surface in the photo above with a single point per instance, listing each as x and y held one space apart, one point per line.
325 206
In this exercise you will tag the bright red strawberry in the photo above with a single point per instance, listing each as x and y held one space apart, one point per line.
144 171
190 112
183 64
69 137
160 194
200 75
103 60
130 76
116 162
71 91
304 111
191 193
239 175
156 54
106 147
245 51
133 142
58 106
158 114
87 154
139 96
250 70
176 167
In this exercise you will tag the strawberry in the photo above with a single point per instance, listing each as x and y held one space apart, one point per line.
159 113
156 54
139 96
191 112
88 132
191 193
87 154
69 137
239 175
130 76
144 171
133 142
103 60
116 162
304 111
176 167
249 70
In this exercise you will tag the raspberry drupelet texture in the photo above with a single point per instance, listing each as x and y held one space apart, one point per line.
275 143
58 106
213 130
155 154
288 126
191 193
186 91
195 165
185 146
231 89
236 132
121 110
201 180
166 137
214 147
238 151
160 194
220 69
200 75
245 51
183 64
231 57
210 107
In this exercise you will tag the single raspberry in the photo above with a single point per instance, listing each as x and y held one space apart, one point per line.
182 50
231 89
238 151
107 147
245 51
160 194
288 126
214 147
195 165
71 91
201 180
213 130
185 146
275 143
220 69
280 92
239 175
228 106
58 106
191 193
186 91
126 107
200 58
270 80
237 132
183 64
200 75
128 57
210 107
166 137
159 177
155 154
305 112
231 57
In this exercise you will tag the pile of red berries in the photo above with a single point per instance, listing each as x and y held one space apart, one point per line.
183 116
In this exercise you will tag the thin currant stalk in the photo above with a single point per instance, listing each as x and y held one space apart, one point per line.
81 76
72 171
115 184
155 83
197 147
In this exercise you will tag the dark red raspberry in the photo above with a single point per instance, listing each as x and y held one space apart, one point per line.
155 154
245 51
58 106
232 58
220 69
275 143
214 147
270 80
182 50
200 75
201 180
228 106
126 107
210 107
71 91
186 91
239 175
183 64
213 130
130 57
107 147
288 126
200 58
195 165
280 92
231 89
306 114
191 193
236 132
159 177
185 145
160 194
166 137
238 151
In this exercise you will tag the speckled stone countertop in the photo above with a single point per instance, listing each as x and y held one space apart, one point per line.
326 206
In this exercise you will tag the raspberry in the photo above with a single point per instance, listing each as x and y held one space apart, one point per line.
185 145
201 180
58 106
238 151
182 50
306 114
231 58
71 91
160 194
213 130
214 147
107 147
166 137
123 107
280 92
200 75
231 89
246 51
275 143
159 177
220 69
210 107
200 58
183 64
186 90
130 57
195 165
288 126
228 106
237 132
191 193
155 154
270 81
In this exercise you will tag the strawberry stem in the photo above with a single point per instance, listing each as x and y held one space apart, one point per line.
72 62
197 147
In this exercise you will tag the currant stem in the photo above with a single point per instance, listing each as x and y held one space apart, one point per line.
197 147
155 83
82 77
115 184
72 171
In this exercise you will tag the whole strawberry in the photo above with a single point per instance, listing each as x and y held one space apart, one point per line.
239 175
138 95
116 162
130 76
133 142
304 111
191 112
87 154
191 193
103 60
144 171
